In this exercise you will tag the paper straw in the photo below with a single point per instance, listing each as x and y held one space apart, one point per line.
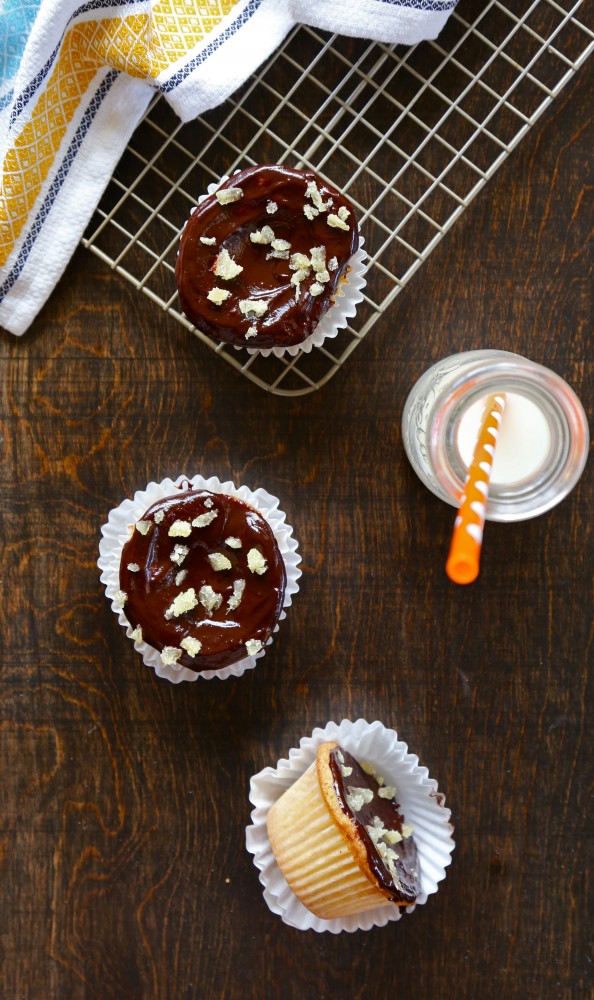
465 551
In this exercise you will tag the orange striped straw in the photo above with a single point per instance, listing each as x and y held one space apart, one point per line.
465 551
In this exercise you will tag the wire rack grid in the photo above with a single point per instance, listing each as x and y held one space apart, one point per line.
410 135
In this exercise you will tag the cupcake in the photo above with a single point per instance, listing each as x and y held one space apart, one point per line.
264 256
199 573
349 832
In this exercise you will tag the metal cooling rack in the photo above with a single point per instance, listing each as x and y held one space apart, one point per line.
411 135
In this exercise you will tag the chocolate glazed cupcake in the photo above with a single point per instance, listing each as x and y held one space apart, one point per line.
262 259
199 573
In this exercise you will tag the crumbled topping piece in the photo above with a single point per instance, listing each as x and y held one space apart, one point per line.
235 599
218 561
332 264
407 830
119 598
264 235
204 519
182 603
271 207
256 562
144 527
192 646
318 258
209 598
337 223
299 262
345 771
209 241
281 247
358 797
218 295
252 331
299 276
225 267
179 554
392 836
343 213
316 289
253 646
387 792
180 529
233 542
133 567
137 634
253 307
159 515
388 856
322 277
208 503
368 768
226 196
170 655
376 831
312 191
180 577
310 212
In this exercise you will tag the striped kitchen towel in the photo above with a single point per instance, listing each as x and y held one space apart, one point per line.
75 79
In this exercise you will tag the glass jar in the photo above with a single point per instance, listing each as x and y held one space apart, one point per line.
438 402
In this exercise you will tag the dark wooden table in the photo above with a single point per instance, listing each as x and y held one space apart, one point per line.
124 798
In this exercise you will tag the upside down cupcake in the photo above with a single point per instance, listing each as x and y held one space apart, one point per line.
199 573
264 256
349 832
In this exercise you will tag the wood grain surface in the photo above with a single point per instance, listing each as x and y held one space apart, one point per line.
124 799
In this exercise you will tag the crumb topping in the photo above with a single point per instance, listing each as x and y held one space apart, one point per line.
263 236
271 207
253 307
337 223
119 598
218 561
226 196
170 655
209 241
137 634
256 562
253 646
185 601
180 577
180 529
225 267
233 542
192 646
179 554
218 295
144 527
204 519
235 599
133 567
159 515
209 599
252 331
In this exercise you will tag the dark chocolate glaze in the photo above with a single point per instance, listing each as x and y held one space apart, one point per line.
287 320
403 885
151 591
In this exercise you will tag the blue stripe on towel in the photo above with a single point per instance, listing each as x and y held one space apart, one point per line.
47 204
208 50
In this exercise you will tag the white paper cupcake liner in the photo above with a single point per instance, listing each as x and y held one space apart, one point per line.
117 532
421 805
348 295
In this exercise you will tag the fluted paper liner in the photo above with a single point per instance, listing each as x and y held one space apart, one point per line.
349 292
420 803
117 532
